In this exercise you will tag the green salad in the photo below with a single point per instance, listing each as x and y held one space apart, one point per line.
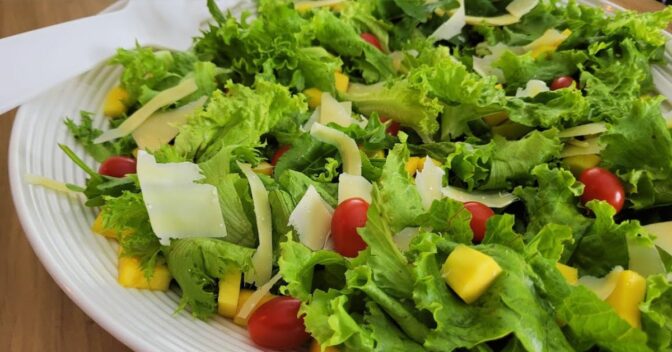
398 175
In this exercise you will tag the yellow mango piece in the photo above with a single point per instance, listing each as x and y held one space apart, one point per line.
243 296
229 290
315 347
341 82
115 102
263 168
314 96
627 295
412 165
496 118
130 275
469 272
99 228
571 274
499 86
578 163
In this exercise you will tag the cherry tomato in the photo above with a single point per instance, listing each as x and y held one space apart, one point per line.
276 324
371 39
348 216
601 184
117 166
393 128
278 153
480 213
562 82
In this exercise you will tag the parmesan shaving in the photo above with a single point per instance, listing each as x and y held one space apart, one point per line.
532 89
503 20
592 147
584 130
491 199
429 182
162 127
453 26
520 8
352 160
548 42
351 186
645 260
263 257
404 237
311 218
333 111
256 297
603 286
164 98
48 183
663 233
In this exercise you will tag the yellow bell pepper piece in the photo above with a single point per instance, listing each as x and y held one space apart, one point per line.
412 165
243 296
341 82
469 272
314 96
130 275
115 102
627 295
571 274
229 290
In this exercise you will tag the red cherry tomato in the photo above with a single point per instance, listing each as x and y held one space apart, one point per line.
348 216
393 128
276 324
117 166
480 213
371 39
562 82
601 184
278 153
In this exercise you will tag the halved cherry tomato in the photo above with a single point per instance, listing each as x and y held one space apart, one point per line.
393 128
348 216
278 153
371 39
601 184
480 213
276 324
117 166
562 82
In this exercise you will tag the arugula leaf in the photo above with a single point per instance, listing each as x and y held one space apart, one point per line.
84 133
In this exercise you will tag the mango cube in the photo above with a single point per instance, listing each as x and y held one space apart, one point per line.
130 275
243 296
115 102
99 228
229 290
578 163
412 165
341 82
314 96
469 272
571 274
627 295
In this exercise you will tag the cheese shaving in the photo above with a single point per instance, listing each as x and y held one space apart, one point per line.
602 286
663 233
256 297
583 130
592 147
491 199
429 182
520 8
351 186
352 160
311 218
263 257
162 127
164 98
453 26
48 183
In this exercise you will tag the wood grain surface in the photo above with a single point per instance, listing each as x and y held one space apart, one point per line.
35 315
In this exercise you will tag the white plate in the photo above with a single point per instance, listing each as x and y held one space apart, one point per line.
84 264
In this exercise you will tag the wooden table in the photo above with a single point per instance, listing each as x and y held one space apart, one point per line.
35 315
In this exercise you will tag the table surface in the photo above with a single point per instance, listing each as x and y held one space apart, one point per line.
35 315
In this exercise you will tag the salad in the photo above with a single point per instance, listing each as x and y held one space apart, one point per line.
398 175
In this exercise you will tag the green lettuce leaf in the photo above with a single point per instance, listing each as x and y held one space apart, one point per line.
657 312
84 133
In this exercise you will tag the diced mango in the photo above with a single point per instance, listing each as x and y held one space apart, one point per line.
496 118
571 274
469 272
264 168
341 82
627 295
412 165
229 290
315 347
99 228
130 275
115 102
314 96
499 86
578 163
243 296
